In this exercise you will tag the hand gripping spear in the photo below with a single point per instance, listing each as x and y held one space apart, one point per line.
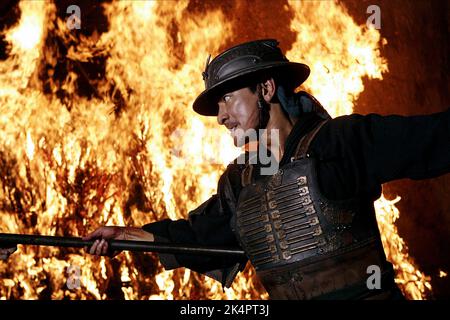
119 245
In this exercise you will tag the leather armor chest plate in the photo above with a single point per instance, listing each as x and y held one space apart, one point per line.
282 219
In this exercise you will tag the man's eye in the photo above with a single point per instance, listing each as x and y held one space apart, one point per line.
226 98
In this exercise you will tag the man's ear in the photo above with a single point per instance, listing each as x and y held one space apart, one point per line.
268 89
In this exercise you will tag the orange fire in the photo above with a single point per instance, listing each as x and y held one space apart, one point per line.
70 163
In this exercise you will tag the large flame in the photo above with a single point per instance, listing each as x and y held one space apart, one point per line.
71 162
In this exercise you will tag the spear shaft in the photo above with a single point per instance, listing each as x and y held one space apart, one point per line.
119 245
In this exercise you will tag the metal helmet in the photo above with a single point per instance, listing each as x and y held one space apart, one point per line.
235 67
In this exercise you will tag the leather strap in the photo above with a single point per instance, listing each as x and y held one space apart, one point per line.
305 141
300 152
246 175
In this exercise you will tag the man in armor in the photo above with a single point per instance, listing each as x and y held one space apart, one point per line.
308 228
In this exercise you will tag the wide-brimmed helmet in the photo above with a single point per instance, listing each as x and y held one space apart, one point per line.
238 66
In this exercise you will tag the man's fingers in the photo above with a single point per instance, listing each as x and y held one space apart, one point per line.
98 250
93 249
100 245
105 248
101 248
96 234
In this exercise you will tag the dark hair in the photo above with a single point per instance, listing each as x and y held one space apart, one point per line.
253 87
252 81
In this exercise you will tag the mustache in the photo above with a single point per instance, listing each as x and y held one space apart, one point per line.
231 125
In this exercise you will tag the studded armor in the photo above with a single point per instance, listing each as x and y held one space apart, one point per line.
284 222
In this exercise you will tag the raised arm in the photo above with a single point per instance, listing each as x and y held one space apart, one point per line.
385 148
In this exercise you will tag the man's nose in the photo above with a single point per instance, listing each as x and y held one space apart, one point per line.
222 115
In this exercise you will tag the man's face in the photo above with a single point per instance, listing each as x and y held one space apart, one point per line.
238 111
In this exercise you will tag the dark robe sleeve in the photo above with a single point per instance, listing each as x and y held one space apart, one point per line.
209 224
415 147
376 149
358 153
